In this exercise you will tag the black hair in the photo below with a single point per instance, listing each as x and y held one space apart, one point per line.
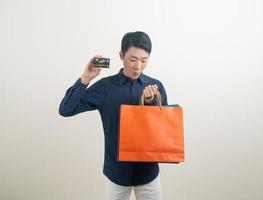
137 39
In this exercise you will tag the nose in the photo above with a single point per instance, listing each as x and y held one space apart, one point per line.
138 65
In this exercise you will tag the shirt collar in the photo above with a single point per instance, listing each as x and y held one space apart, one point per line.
123 77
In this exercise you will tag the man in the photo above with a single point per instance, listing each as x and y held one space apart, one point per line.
106 95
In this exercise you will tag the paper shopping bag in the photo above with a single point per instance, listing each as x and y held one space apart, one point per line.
151 133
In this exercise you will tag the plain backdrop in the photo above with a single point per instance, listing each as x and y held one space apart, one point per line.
207 53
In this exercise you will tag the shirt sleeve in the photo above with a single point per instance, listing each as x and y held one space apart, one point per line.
163 95
79 98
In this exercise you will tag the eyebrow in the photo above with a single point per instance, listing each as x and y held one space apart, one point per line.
139 58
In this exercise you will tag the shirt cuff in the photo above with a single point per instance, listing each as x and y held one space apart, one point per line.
79 84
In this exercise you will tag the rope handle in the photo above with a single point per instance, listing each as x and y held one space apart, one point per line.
159 100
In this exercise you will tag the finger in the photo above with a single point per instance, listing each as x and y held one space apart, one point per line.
93 58
151 91
90 64
144 93
96 69
147 92
96 56
154 90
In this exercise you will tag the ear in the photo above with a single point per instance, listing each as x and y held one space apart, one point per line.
121 55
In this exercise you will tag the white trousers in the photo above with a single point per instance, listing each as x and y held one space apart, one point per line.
149 191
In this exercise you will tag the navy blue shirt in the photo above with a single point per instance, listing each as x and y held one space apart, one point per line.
106 95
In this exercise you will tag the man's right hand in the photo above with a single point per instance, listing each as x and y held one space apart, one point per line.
90 71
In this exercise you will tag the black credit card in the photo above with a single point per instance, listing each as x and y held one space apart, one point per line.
102 62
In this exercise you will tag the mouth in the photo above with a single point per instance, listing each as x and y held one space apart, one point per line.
136 73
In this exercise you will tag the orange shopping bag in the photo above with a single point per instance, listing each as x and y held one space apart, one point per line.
151 133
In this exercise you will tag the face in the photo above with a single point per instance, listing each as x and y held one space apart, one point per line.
134 61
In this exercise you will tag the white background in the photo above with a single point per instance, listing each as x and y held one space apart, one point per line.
207 53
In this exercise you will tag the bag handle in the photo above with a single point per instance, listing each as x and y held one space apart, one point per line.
159 99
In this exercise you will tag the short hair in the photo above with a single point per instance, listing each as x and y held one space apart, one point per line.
137 39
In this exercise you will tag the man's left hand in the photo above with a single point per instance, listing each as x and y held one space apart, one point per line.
149 92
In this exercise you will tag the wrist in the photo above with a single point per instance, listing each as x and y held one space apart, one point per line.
84 79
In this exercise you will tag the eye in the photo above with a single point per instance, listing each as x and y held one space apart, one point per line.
132 60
